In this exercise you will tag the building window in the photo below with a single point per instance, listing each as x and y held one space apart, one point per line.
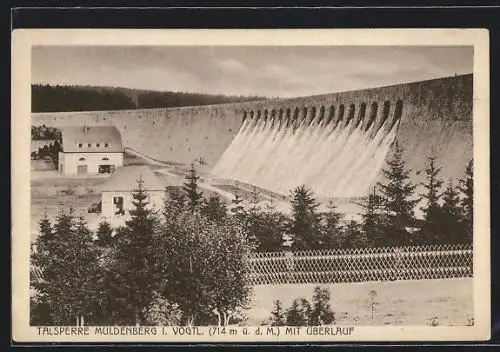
89 145
105 158
106 169
80 145
118 206
106 145
82 159
98 145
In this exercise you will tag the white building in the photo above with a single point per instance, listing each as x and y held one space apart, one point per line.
90 150
118 189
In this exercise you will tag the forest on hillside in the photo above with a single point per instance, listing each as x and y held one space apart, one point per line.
47 98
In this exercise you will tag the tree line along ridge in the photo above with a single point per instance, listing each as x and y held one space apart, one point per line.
50 98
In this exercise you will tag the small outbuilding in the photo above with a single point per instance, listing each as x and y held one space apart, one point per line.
90 150
117 191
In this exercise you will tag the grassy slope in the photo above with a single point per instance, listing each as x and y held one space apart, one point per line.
398 302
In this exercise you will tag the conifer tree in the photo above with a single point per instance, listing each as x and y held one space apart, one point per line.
135 277
70 272
431 225
104 234
373 221
452 232
194 198
39 304
298 313
267 227
305 223
467 202
92 279
278 314
214 209
354 237
175 201
332 227
397 195
321 313
254 199
236 208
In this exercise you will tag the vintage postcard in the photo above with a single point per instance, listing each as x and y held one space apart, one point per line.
250 185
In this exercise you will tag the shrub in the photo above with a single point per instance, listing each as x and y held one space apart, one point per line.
161 312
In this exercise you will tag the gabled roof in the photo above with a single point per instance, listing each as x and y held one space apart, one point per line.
73 136
124 179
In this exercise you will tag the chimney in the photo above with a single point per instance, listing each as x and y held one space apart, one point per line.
85 129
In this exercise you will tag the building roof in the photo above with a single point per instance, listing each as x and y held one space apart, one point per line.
76 139
124 179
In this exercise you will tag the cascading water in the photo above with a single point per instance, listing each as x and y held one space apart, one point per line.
332 160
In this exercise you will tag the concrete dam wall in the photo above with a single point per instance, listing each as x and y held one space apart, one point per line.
336 143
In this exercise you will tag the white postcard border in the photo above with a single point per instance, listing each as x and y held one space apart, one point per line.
24 39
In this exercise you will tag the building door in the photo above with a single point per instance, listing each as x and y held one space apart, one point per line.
81 169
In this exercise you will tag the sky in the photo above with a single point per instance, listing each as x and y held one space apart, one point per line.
271 71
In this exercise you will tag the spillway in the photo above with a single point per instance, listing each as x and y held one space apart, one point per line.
330 158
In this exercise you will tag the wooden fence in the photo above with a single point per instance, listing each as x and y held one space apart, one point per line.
359 265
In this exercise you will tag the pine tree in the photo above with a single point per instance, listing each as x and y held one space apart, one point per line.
332 227
430 229
39 304
452 231
305 223
104 234
46 232
354 237
397 195
467 203
190 187
175 201
70 272
298 313
134 273
321 313
373 221
92 280
214 209
278 314
267 228
236 208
